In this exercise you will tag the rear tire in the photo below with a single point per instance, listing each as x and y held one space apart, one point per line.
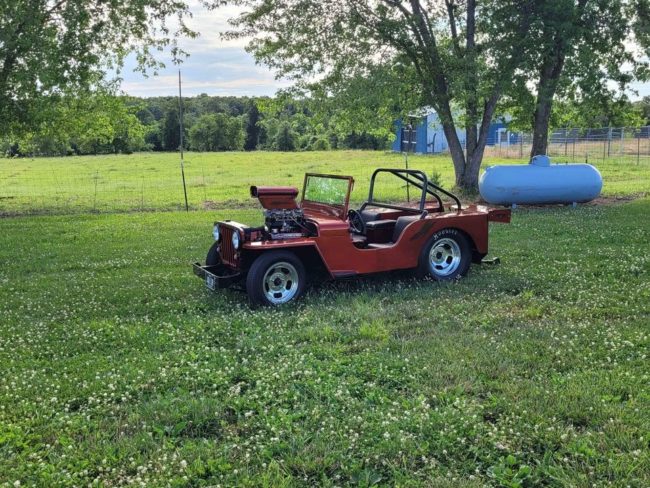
213 258
275 278
446 256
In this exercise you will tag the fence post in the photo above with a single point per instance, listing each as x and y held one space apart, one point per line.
95 197
638 148
573 157
205 191
408 189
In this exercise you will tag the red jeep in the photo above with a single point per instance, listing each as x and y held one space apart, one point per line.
320 233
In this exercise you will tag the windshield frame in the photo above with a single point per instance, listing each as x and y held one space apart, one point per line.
336 210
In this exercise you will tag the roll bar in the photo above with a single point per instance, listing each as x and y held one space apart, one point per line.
416 178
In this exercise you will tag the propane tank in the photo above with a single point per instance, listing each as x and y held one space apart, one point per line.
540 182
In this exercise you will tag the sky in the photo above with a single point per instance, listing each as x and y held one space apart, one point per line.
215 67
219 67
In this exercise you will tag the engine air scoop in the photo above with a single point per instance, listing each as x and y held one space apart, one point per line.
275 197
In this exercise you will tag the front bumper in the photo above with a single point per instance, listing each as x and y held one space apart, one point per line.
218 276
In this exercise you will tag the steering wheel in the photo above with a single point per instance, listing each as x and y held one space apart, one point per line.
356 222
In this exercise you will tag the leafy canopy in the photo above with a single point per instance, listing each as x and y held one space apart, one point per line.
586 53
53 47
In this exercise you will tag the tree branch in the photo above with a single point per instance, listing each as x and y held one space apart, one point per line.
409 49
452 26
54 8
408 16
435 62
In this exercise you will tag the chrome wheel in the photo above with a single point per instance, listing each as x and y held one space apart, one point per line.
444 257
280 282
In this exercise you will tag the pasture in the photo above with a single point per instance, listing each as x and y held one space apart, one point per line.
118 367
152 181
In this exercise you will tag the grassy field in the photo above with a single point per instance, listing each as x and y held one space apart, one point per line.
117 367
218 180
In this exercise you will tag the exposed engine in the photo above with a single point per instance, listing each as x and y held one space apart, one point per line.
283 218
285 223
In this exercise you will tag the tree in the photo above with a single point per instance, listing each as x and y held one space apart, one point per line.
171 131
89 123
643 106
103 123
217 132
580 46
152 137
460 57
234 133
594 112
50 47
205 135
285 138
252 128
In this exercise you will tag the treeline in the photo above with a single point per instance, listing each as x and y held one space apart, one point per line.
102 123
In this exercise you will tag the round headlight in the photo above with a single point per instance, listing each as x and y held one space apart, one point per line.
215 232
235 240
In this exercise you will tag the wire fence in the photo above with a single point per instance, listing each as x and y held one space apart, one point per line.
152 181
604 144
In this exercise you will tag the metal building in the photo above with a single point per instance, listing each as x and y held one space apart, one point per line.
423 133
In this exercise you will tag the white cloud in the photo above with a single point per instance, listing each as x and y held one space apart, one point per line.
168 85
215 66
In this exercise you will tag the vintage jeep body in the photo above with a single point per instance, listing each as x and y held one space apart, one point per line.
321 235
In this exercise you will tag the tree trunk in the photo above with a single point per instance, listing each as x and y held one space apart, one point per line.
475 157
467 166
541 121
455 147
549 78
456 152
471 104
550 73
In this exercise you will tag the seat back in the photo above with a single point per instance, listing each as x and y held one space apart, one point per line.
401 224
369 215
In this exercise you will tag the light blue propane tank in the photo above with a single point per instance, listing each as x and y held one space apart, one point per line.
540 182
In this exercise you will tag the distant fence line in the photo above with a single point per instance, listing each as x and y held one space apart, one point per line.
625 144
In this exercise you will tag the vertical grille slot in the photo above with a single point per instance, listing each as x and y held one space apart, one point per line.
227 249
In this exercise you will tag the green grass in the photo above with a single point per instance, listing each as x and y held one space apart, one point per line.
150 181
118 367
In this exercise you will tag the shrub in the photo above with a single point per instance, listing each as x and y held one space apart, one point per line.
321 145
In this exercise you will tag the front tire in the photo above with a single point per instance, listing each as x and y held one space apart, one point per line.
213 258
446 256
275 278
